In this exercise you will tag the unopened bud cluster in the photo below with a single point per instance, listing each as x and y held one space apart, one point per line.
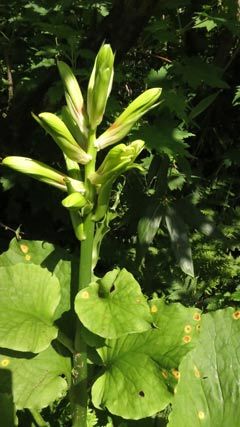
74 131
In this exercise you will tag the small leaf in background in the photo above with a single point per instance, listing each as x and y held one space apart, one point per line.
38 381
113 306
176 180
166 138
176 102
141 370
208 392
178 232
29 296
193 217
236 99
204 21
149 224
7 181
202 105
196 71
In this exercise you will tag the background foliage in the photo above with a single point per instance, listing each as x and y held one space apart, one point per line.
178 224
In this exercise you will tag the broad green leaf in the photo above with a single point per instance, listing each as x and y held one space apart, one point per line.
178 328
178 233
26 251
54 258
38 381
113 306
132 386
29 296
208 392
141 369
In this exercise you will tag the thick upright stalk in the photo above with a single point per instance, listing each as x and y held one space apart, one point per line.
79 381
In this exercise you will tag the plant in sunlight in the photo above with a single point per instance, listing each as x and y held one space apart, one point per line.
57 317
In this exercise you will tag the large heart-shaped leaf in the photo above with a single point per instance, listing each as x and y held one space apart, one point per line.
141 369
54 258
38 381
113 306
178 328
208 392
29 296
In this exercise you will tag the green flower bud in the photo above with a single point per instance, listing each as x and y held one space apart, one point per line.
73 96
123 124
71 124
100 85
77 224
118 160
61 135
103 201
42 172
74 201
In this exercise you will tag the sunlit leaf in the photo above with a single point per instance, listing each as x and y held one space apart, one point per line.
40 380
141 369
29 296
113 306
208 392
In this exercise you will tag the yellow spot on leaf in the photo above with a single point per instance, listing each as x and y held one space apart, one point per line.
236 315
197 317
188 329
164 374
176 374
198 327
187 339
24 248
201 415
154 309
196 372
85 295
175 390
28 257
5 363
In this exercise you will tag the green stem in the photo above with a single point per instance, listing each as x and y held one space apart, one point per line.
64 340
38 418
79 378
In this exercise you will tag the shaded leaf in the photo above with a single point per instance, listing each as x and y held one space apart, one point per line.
178 233
194 217
202 105
149 224
196 71
7 409
166 138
